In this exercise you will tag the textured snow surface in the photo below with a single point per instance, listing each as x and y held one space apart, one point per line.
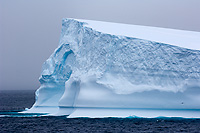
186 39
92 68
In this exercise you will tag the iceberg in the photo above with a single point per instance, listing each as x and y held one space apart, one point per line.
103 69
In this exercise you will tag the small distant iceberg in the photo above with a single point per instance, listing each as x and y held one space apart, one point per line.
103 69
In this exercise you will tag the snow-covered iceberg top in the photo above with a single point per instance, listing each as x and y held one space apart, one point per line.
103 67
181 38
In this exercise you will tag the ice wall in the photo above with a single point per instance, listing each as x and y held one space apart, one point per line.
94 70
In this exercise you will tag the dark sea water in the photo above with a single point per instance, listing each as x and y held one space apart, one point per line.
13 101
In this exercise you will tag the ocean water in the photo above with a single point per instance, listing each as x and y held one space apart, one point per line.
11 102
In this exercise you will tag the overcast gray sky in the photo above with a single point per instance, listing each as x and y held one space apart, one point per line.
30 29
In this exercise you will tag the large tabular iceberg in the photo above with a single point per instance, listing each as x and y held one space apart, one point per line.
105 69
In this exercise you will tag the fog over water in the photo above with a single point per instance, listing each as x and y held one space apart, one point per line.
30 30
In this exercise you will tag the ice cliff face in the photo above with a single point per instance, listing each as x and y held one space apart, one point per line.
95 69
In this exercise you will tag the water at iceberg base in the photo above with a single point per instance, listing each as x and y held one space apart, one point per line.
93 74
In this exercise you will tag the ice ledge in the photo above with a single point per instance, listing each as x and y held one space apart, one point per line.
92 112
181 38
